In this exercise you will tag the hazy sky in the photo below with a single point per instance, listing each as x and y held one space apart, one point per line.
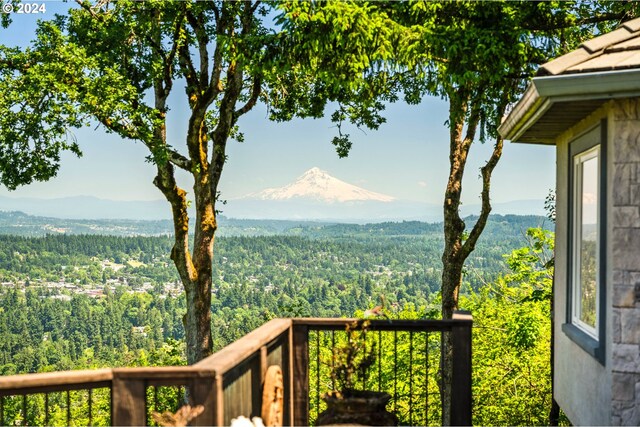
407 158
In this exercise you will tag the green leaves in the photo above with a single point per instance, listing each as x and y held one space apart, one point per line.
344 53
35 119
511 338
52 88
523 331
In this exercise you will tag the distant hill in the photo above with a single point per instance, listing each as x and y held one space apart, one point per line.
313 196
295 209
19 223
87 207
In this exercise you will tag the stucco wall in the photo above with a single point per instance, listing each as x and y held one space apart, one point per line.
582 384
625 265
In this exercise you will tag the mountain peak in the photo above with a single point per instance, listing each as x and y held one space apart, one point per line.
315 171
316 184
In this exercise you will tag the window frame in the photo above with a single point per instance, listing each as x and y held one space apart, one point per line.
591 339
576 265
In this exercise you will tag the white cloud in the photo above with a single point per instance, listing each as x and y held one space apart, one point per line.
422 184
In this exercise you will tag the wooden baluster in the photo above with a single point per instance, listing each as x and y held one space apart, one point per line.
299 360
128 402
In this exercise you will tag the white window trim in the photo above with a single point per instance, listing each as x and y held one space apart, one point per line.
576 297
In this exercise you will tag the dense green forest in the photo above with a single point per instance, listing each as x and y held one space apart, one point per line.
73 301
84 301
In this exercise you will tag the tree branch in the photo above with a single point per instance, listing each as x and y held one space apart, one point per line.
216 13
189 71
474 120
168 65
255 7
177 197
584 21
486 170
215 84
179 160
253 99
198 27
117 127
86 6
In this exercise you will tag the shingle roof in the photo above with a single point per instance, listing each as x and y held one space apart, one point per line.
617 50
571 87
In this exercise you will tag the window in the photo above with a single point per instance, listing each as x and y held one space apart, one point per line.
585 242
587 217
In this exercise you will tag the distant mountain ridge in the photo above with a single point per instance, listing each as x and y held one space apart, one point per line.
88 207
316 184
313 196
21 224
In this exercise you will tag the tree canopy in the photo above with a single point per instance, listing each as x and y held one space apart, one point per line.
478 56
116 64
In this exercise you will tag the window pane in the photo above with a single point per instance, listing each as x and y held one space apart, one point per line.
588 244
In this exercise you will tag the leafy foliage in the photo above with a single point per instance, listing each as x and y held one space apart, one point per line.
511 340
112 284
353 358
42 331
116 64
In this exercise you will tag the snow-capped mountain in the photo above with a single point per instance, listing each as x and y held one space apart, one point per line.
316 184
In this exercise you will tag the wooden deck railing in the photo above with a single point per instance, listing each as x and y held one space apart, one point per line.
229 383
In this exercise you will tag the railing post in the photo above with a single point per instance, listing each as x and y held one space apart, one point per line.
202 393
218 393
299 364
461 375
128 402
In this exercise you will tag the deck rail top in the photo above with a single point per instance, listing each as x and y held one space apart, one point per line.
217 364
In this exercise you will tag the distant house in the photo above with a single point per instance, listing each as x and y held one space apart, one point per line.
139 330
587 104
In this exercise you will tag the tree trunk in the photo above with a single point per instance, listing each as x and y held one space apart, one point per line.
453 230
195 271
197 320
452 265
456 248
198 316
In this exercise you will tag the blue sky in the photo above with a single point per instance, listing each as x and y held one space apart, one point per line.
407 158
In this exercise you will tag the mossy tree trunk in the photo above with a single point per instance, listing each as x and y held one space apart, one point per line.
206 141
464 119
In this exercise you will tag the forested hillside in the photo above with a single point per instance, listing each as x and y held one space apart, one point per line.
70 301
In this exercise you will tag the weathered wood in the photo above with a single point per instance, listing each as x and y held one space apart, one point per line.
48 379
278 354
54 381
128 402
287 371
299 362
257 377
202 393
426 325
163 373
461 399
275 354
263 363
273 397
239 393
218 398
245 347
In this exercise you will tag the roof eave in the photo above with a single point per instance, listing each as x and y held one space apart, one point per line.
543 92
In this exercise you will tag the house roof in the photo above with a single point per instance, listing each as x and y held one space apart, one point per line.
572 86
